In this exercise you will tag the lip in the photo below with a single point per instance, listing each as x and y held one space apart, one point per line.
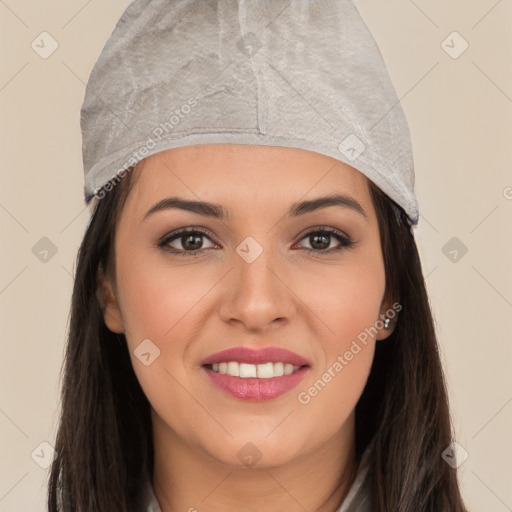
254 389
256 356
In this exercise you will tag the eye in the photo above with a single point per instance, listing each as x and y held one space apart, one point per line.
321 239
190 241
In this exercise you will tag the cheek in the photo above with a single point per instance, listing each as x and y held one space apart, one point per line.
347 301
347 305
339 378
158 302
167 306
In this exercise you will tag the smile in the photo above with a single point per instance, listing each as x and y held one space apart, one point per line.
255 374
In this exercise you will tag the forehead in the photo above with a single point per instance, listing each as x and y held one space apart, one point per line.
243 175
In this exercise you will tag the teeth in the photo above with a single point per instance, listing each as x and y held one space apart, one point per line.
246 370
261 371
288 368
233 369
278 369
265 371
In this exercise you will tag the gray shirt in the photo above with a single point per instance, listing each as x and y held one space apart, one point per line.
358 498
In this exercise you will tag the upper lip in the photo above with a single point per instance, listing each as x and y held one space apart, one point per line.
256 356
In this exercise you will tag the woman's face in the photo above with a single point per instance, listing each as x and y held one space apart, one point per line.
252 283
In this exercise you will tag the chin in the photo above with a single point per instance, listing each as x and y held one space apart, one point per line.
259 453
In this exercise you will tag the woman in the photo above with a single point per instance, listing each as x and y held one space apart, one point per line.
249 327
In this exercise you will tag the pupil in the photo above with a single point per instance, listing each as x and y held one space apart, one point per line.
316 238
190 238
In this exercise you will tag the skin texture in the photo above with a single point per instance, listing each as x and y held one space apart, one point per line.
314 304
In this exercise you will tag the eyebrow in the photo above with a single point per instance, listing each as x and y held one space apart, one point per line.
218 212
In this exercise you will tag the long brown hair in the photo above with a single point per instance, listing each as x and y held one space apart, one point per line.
104 441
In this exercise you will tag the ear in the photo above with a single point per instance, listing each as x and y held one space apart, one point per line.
108 302
389 309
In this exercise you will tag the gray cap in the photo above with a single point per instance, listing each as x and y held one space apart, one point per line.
304 74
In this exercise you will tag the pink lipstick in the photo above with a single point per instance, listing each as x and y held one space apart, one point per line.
255 374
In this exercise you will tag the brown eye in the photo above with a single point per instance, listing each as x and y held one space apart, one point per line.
321 239
186 242
191 241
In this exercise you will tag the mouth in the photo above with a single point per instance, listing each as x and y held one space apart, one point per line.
255 375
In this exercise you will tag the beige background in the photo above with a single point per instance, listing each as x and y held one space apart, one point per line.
460 113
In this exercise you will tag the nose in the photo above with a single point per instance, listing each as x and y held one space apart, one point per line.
256 294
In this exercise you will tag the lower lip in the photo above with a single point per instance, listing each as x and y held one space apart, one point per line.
256 389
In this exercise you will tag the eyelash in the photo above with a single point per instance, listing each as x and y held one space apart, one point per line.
345 241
